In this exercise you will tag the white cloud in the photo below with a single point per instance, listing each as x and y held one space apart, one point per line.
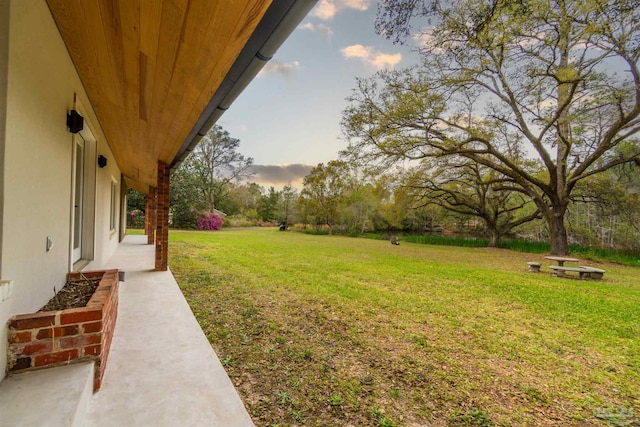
386 60
548 103
308 26
280 175
357 51
282 68
322 29
544 104
462 119
327 9
355 4
369 56
527 42
423 39
426 40
599 45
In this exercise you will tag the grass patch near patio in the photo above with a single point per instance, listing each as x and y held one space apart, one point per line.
329 330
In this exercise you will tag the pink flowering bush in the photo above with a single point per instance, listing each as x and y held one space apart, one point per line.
209 221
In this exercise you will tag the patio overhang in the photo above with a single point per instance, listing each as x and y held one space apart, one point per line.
159 73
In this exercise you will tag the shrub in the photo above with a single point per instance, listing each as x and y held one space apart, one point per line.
135 218
209 221
184 218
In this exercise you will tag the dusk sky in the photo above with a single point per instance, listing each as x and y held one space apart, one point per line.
288 118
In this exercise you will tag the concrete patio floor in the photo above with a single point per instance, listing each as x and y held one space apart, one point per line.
161 369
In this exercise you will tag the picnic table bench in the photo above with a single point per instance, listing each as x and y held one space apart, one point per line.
585 272
561 259
594 273
534 266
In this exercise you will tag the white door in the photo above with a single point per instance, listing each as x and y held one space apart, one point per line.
78 199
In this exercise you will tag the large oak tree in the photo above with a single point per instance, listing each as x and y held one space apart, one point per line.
545 92
469 188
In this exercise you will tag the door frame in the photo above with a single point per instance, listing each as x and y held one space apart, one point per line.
77 197
88 215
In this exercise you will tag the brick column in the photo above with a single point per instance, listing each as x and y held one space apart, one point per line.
150 216
162 226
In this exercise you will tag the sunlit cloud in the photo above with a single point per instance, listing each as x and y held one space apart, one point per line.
549 103
462 120
361 5
282 68
586 45
370 56
422 39
322 29
526 42
327 9
357 51
280 175
426 40
543 104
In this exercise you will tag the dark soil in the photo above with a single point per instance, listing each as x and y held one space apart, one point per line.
74 294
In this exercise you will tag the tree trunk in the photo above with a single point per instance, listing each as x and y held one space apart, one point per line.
211 202
559 243
494 238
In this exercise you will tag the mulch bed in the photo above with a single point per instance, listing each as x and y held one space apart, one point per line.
74 294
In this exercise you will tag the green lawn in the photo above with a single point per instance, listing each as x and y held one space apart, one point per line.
326 330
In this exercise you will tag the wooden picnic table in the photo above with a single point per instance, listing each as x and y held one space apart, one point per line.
561 259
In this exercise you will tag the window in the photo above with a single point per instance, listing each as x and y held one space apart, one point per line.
113 222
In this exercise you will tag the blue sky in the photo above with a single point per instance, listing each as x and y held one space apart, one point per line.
290 114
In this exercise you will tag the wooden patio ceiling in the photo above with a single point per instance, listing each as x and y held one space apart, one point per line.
150 67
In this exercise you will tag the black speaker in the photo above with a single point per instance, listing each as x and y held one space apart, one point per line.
75 122
102 161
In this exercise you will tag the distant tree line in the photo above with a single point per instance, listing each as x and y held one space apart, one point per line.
450 194
466 199
212 181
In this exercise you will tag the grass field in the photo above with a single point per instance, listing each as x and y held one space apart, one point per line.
338 331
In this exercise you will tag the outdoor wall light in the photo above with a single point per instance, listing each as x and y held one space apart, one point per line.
75 122
102 161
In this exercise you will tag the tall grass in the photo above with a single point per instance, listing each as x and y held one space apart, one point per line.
474 242
597 254
621 257
525 246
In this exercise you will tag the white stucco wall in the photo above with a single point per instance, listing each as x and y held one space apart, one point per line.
41 86
106 240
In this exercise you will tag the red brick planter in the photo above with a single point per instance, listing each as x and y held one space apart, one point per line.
51 338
